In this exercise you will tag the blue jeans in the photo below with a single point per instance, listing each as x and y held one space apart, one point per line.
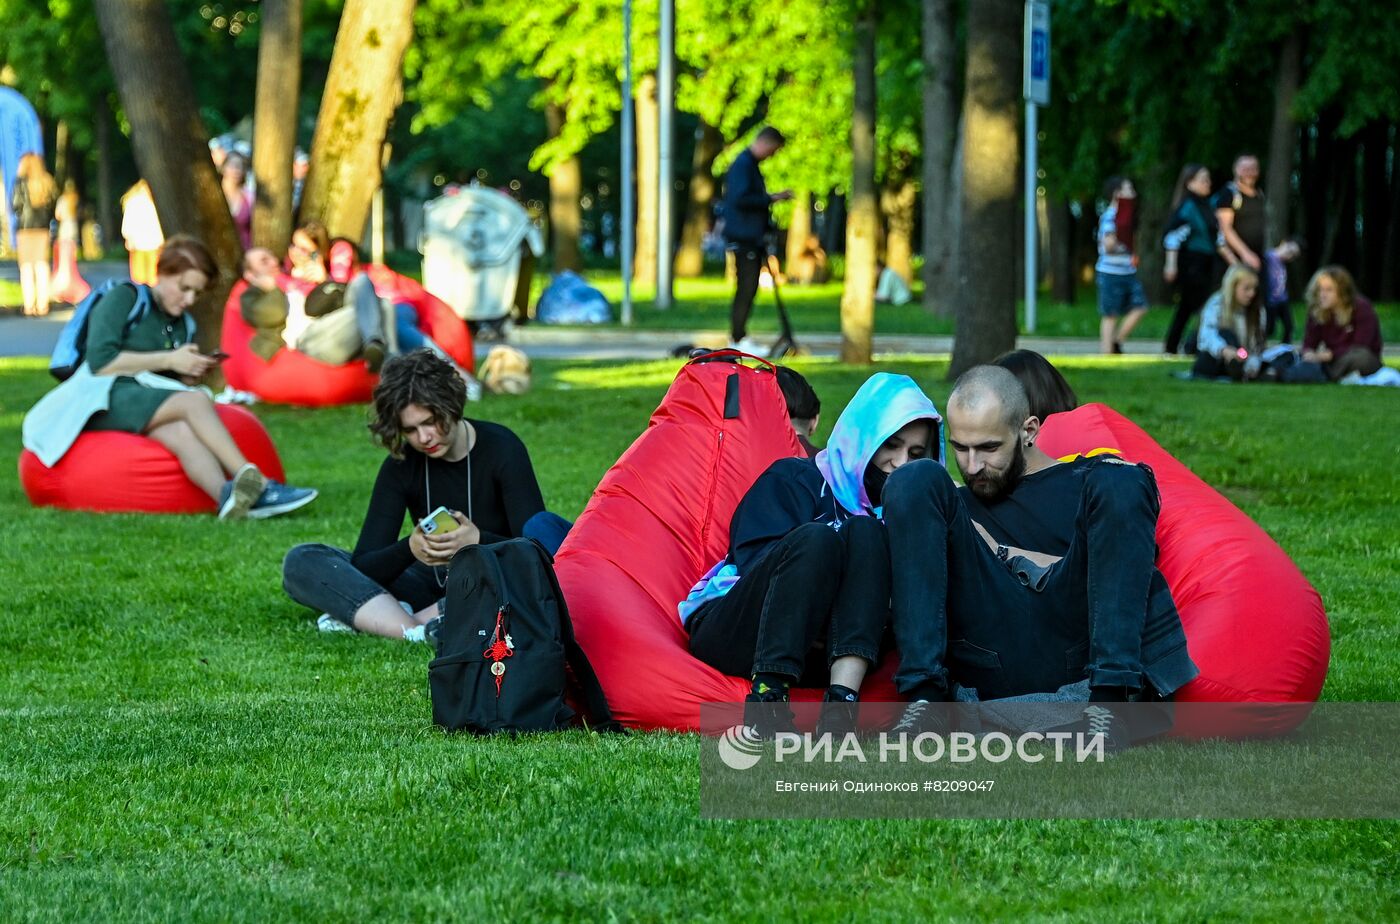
1103 612
1119 293
406 327
548 529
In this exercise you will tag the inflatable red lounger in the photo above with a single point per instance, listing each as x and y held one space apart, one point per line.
660 518
113 472
1254 625
293 378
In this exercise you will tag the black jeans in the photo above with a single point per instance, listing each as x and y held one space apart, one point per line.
1193 278
1010 628
1211 366
748 262
815 582
322 578
1280 313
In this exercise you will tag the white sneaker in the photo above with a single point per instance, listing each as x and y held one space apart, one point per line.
749 345
328 623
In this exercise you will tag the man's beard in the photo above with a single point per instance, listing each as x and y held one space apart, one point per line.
989 486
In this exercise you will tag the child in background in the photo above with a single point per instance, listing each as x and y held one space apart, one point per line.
1276 304
1122 302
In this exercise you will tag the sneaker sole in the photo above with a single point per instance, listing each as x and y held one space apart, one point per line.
272 510
328 623
248 486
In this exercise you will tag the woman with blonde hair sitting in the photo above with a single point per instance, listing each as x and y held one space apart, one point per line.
1232 328
1343 334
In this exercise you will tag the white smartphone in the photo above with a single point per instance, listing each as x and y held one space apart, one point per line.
440 520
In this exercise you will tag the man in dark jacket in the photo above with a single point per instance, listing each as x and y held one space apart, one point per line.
746 203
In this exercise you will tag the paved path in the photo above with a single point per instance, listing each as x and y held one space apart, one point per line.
21 336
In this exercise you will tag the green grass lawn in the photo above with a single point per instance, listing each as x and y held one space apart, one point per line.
179 743
703 304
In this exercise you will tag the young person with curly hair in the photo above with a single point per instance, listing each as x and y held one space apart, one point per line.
393 585
1343 334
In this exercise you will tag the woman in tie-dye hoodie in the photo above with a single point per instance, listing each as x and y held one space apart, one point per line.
804 592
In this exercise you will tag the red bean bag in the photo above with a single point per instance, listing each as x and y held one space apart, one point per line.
660 519
113 472
294 378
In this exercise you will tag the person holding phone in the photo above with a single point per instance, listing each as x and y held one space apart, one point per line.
135 376
460 482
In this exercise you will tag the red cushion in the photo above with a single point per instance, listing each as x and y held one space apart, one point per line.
116 472
295 378
1254 625
659 520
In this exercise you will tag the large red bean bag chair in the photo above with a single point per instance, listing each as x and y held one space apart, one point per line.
295 378
113 472
659 520
1254 625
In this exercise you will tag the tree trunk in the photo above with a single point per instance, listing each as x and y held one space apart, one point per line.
940 136
690 258
834 230
1283 138
1061 248
863 226
1339 243
986 309
61 153
799 229
1375 205
644 265
1390 266
898 200
565 187
170 142
275 122
363 88
106 195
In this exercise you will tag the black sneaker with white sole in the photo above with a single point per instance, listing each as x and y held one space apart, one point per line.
767 713
921 717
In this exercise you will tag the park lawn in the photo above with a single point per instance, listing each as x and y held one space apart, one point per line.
10 294
703 304
180 743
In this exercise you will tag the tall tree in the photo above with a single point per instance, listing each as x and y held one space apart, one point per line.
644 267
986 311
863 225
690 256
362 91
565 186
940 124
1283 136
275 121
169 140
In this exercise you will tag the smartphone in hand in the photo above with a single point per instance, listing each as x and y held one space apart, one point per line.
218 356
440 520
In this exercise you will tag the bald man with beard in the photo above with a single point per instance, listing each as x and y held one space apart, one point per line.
1036 577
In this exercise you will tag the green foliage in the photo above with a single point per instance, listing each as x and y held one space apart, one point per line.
180 743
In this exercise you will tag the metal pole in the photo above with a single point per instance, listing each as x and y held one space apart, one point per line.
1032 225
666 106
628 229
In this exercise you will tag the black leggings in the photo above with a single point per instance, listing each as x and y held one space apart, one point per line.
819 594
1194 284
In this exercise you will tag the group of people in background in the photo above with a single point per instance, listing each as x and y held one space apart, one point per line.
1218 257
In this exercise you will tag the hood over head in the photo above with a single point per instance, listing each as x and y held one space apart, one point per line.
880 409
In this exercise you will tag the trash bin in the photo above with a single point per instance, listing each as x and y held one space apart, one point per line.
474 243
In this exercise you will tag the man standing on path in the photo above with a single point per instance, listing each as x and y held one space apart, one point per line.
746 222
1239 208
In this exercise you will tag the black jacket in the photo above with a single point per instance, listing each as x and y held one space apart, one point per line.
746 201
790 493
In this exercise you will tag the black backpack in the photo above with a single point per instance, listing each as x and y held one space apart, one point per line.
503 646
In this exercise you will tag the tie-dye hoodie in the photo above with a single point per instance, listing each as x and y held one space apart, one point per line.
828 489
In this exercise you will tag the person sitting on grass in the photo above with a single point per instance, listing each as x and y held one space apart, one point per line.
1343 333
137 383
804 592
1037 578
1232 329
393 585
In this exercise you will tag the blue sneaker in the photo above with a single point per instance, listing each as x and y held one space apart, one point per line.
280 498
